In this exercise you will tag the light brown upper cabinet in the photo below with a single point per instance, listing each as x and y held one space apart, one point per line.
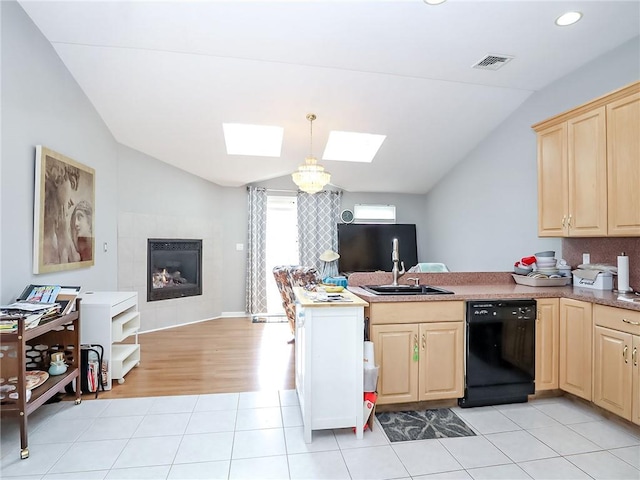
589 168
623 162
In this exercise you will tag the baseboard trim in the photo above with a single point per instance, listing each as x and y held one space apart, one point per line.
244 315
233 314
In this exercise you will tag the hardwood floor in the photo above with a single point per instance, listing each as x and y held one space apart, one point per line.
216 356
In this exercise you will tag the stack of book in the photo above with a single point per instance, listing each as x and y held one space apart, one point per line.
37 304
32 313
8 322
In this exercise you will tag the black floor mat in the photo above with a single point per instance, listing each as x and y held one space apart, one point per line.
422 425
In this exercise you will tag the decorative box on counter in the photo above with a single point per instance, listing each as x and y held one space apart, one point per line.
594 280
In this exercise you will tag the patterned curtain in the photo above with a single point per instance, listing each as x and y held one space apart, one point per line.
318 217
256 251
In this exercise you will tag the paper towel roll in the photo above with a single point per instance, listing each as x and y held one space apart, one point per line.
369 358
623 273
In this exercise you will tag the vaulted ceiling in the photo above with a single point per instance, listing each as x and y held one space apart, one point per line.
164 76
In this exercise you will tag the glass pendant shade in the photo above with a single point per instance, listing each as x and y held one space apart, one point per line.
311 177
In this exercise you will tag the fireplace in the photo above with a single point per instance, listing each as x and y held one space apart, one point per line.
174 268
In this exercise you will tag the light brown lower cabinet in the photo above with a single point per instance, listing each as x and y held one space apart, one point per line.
616 376
576 335
419 361
635 403
547 343
441 361
398 375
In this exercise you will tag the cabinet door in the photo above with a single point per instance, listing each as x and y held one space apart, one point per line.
441 366
623 162
547 344
576 334
552 181
587 173
635 400
612 373
396 352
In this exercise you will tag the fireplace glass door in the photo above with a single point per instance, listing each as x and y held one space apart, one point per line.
174 268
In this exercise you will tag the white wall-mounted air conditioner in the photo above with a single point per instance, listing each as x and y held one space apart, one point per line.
363 213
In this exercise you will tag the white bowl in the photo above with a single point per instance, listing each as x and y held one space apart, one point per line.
522 271
545 261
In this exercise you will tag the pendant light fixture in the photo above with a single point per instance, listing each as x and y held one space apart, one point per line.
310 176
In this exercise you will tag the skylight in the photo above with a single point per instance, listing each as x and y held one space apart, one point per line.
255 140
352 147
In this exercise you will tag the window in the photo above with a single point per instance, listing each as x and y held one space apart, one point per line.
374 213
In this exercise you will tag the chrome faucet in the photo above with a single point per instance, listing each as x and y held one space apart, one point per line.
395 258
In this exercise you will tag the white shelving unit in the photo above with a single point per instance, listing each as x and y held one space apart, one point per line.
109 318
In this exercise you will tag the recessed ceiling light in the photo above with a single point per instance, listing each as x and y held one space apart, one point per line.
255 140
568 18
434 2
352 147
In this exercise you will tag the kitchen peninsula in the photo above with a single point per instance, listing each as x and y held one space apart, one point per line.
567 358
329 361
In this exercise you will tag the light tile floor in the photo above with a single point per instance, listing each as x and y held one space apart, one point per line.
259 436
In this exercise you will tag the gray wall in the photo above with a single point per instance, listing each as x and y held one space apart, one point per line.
42 104
483 216
234 218
175 204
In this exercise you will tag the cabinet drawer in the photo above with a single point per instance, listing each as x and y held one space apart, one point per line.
617 318
415 312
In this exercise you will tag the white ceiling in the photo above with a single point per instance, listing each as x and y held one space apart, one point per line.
164 75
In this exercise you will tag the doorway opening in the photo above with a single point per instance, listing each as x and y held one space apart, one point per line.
281 246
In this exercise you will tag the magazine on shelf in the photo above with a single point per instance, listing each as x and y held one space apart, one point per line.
64 295
26 306
9 317
43 293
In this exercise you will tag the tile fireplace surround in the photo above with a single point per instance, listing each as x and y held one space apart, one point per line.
133 232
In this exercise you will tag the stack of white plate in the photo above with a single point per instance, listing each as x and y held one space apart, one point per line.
546 265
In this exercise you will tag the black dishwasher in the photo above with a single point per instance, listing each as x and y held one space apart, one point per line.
500 352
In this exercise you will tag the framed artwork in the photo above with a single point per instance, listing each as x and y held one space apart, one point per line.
63 222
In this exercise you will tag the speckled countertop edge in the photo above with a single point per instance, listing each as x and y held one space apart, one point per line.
478 285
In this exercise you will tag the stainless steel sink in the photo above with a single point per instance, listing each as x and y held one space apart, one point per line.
405 290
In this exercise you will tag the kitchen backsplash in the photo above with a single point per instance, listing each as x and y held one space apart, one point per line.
605 250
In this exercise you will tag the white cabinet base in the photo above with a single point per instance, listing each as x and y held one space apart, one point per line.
123 358
329 366
109 318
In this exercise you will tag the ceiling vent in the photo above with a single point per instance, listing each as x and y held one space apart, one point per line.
492 62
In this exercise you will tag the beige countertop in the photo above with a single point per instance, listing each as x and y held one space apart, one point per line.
308 299
497 285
